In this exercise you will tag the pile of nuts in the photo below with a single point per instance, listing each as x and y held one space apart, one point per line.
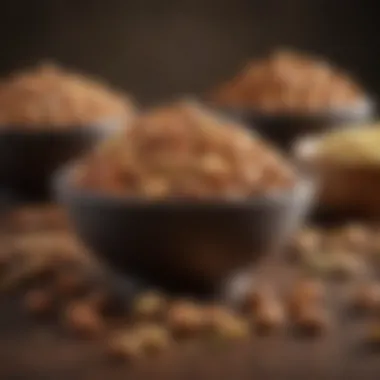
185 151
49 96
288 82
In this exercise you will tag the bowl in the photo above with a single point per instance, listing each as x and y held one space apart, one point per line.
28 157
179 246
346 190
284 129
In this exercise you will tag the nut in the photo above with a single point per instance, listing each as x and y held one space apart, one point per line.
231 327
269 316
185 318
312 320
149 306
154 338
84 320
366 297
305 242
305 292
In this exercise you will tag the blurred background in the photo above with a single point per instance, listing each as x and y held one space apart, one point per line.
159 49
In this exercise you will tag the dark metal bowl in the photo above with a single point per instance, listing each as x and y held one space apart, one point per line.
29 157
284 129
185 247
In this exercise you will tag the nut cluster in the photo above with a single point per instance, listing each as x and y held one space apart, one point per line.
342 252
185 151
49 96
288 82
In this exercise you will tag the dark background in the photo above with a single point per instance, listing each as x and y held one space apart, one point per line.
157 49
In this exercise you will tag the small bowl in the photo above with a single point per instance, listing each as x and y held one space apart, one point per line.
180 246
346 190
284 129
28 157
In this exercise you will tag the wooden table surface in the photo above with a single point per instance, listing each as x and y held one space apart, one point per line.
34 350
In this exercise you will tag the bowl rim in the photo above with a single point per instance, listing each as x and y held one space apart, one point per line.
111 124
62 189
365 107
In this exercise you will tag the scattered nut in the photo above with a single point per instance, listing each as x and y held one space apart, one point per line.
357 237
149 306
305 243
340 265
269 316
84 320
231 327
305 292
312 320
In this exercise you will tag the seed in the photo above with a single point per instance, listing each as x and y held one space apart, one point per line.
84 320
39 301
149 306
366 297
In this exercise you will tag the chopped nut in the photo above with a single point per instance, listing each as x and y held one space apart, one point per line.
149 306
84 320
